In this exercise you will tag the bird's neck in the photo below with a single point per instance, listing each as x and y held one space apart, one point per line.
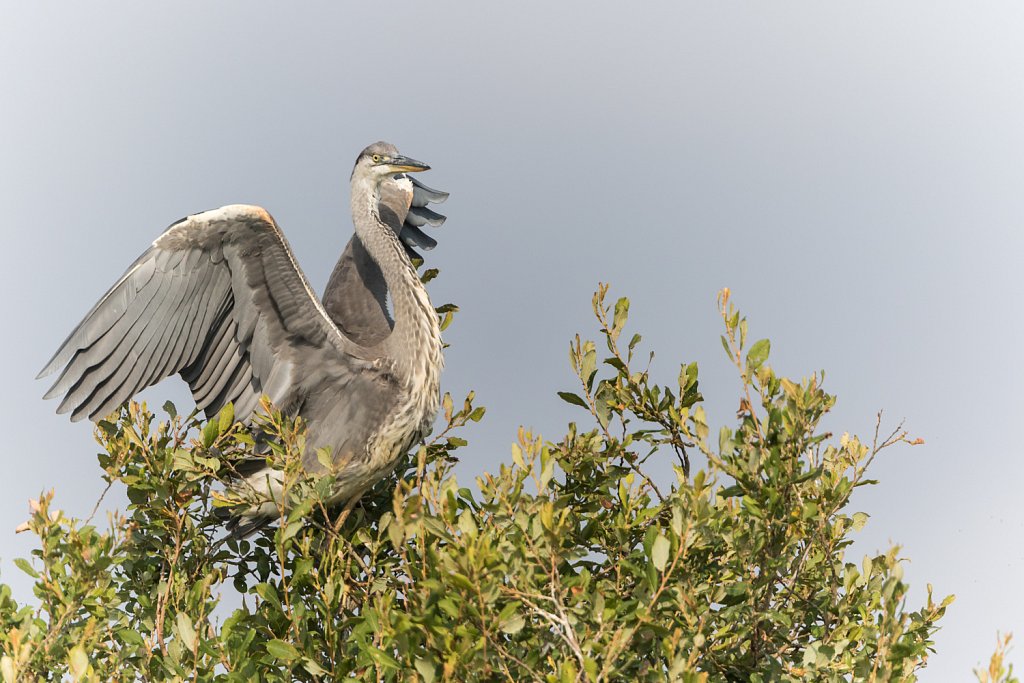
414 345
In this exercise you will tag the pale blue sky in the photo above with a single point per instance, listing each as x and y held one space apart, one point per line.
852 171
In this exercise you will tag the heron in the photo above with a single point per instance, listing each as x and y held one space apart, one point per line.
220 300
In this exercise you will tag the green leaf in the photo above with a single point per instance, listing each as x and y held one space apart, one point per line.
384 659
726 444
604 403
466 524
185 630
813 473
462 581
24 566
659 552
210 433
291 528
426 669
569 673
138 496
323 456
447 605
572 398
517 456
547 469
588 367
130 636
313 668
284 651
621 314
725 345
269 594
446 320
758 353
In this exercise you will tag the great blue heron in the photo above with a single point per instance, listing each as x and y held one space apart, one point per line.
219 299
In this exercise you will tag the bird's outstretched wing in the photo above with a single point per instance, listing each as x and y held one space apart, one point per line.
356 295
219 299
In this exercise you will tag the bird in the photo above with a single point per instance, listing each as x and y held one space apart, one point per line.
220 300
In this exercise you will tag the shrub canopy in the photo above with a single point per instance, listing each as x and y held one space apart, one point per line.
570 563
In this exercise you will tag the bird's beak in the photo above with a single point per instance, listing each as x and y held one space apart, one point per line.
400 164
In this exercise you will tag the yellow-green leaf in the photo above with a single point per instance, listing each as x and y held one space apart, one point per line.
659 552
78 661
8 669
282 650
227 418
186 632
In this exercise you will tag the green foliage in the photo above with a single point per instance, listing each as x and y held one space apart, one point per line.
570 563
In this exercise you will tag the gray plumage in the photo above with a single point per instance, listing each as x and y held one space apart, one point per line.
220 300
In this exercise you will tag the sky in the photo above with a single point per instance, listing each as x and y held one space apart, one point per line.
852 171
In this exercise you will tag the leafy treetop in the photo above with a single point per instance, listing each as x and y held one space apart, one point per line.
569 563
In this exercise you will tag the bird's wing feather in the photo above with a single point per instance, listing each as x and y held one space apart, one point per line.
419 215
217 298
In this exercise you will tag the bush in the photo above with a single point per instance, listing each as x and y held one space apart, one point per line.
569 563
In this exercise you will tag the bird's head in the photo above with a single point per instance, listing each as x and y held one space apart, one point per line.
381 160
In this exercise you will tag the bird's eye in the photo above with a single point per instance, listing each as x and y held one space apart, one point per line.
376 158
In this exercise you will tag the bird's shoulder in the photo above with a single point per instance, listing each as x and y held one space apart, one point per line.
234 222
